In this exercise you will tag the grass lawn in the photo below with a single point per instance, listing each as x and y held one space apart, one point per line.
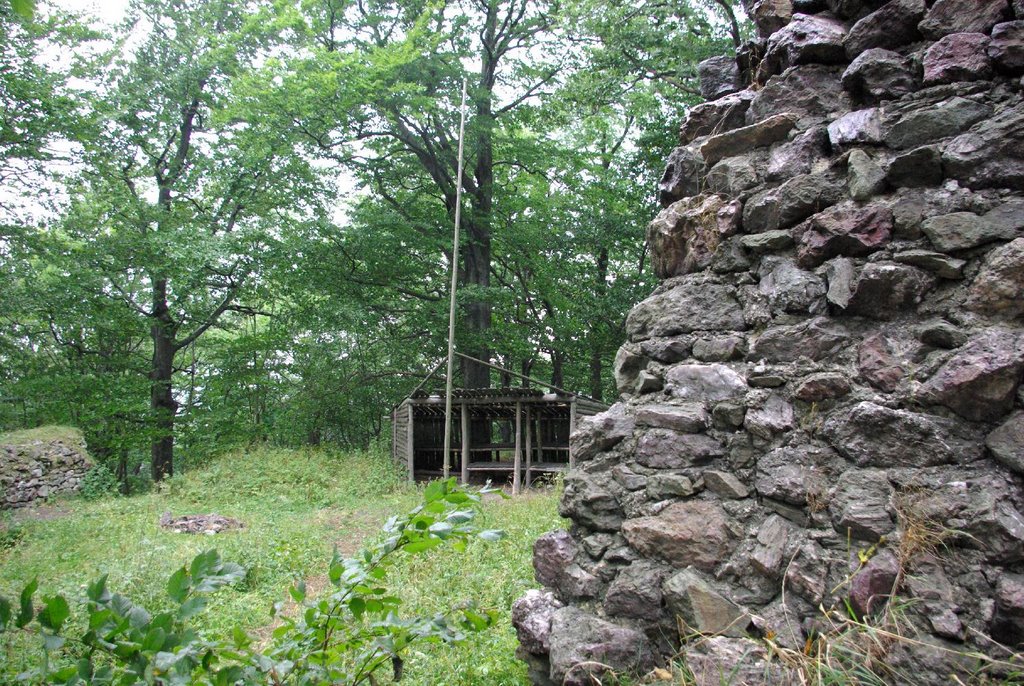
297 505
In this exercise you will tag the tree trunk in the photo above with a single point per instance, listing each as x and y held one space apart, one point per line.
162 403
596 333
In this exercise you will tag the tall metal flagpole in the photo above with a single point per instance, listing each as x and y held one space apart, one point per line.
451 306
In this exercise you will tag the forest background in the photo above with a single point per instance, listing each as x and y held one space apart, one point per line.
227 221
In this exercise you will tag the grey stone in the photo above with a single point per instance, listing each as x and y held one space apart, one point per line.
941 334
864 177
811 91
636 591
768 241
885 291
732 176
859 505
596 544
684 236
878 74
980 381
771 15
919 167
937 263
719 349
806 39
724 114
844 230
962 16
684 171
626 367
794 475
647 382
964 230
1008 622
590 503
775 416
822 386
1006 48
763 132
666 449
601 431
720 660
808 574
991 155
918 125
683 309
815 339
841 275
793 201
891 26
1006 442
718 76
794 290
582 644
860 127
531 617
729 414
706 383
687 417
998 289
725 485
666 350
877 363
661 486
770 553
703 609
552 553
875 582
957 57
689 532
798 155
871 435
627 478
730 257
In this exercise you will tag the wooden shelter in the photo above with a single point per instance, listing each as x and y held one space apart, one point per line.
496 433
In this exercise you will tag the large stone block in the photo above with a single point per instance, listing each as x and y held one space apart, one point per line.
1006 442
601 431
844 230
684 236
962 16
812 92
718 76
875 436
886 291
743 140
916 123
990 155
878 74
891 26
998 289
704 610
685 308
790 203
691 532
1007 47
583 644
815 340
980 381
958 57
684 171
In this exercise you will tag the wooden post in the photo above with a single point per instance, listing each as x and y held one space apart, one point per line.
517 461
465 443
409 448
540 439
529 445
572 427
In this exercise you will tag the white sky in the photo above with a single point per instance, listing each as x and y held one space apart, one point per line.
108 11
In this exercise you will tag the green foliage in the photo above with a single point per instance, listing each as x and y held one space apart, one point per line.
98 482
343 637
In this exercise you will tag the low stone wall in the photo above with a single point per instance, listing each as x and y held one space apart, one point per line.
33 470
820 403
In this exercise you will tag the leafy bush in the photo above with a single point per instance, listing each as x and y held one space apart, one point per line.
351 631
98 482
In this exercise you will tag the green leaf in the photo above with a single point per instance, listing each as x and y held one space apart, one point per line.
54 613
97 590
434 490
52 642
154 640
191 607
357 606
26 612
422 544
298 591
5 613
178 585
24 8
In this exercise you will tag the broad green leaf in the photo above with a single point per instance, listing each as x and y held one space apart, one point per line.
178 585
24 8
5 613
55 612
492 535
26 611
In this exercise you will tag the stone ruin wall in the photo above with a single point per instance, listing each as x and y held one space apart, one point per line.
820 403
32 471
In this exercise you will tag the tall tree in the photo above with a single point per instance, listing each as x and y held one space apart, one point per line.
186 181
